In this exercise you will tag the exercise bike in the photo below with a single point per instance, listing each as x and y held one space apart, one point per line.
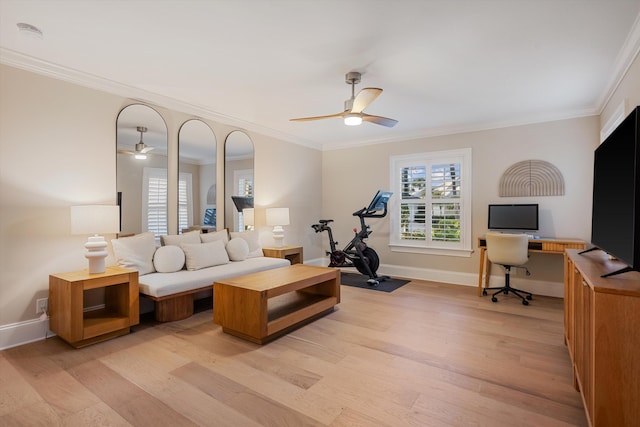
356 253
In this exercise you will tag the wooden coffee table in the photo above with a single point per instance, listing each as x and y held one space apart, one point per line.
262 306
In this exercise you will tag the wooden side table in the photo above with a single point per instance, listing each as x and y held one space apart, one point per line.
292 253
81 328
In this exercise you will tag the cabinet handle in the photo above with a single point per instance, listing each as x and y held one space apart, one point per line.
585 284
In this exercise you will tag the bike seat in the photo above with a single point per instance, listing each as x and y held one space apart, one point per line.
325 221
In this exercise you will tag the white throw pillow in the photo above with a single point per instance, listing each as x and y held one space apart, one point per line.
238 249
253 240
212 236
168 259
136 252
178 239
202 255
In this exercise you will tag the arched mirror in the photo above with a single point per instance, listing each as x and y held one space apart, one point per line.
238 179
196 177
141 170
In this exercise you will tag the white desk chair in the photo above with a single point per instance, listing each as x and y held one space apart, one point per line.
510 251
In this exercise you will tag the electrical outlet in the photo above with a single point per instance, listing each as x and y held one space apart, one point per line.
42 305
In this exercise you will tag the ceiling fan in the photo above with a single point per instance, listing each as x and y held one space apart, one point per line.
353 114
141 149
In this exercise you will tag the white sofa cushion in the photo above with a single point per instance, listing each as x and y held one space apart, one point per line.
212 236
136 252
238 249
163 284
253 240
202 255
168 259
178 239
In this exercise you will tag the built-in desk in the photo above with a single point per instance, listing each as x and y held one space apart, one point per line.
545 245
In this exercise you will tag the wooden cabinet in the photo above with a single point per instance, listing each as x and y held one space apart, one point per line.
292 253
602 333
79 327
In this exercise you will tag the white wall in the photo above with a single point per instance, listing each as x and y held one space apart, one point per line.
627 93
57 149
568 144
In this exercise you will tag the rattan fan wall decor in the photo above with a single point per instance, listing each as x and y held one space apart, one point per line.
531 178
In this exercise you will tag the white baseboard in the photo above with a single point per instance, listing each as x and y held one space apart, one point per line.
20 333
536 287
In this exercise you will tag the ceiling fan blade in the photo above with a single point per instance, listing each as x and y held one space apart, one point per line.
306 119
146 149
384 121
365 97
125 152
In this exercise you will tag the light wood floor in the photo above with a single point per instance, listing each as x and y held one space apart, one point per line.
427 354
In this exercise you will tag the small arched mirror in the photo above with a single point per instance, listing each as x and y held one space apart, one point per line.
238 179
196 177
141 170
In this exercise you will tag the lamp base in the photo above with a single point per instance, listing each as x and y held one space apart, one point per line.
278 236
96 254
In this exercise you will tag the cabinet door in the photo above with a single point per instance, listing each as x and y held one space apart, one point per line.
587 348
569 274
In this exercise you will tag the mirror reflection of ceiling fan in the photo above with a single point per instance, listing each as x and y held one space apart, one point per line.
353 114
141 149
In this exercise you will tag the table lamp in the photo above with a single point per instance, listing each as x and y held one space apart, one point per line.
277 217
95 220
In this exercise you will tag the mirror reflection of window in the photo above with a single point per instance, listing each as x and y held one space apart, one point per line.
197 177
239 177
141 170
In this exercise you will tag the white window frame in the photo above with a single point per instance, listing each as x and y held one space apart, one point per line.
147 175
161 174
188 197
463 248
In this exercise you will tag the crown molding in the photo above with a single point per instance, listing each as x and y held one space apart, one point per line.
627 54
28 63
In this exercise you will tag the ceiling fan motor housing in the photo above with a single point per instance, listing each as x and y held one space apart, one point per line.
353 78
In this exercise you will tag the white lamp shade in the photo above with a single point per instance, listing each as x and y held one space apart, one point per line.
95 219
248 216
278 216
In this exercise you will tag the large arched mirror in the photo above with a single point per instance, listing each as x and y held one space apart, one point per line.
238 179
141 170
196 177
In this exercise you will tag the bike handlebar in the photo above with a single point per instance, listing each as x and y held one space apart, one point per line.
364 213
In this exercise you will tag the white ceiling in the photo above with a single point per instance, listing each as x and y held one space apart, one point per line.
445 66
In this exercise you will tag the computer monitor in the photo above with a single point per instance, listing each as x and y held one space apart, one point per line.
513 217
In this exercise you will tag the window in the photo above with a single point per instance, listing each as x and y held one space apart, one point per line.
154 197
432 210
154 200
185 202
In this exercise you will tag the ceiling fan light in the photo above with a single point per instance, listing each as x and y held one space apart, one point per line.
140 156
352 119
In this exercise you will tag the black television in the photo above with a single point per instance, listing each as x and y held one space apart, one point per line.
615 219
520 217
